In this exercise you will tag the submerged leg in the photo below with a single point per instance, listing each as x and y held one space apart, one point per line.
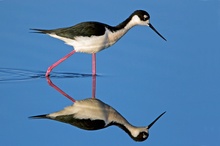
58 62
93 64
58 89
93 86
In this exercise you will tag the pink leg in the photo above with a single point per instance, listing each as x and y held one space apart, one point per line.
58 89
93 64
93 86
58 62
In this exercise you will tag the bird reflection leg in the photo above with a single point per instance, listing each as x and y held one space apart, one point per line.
93 64
93 85
58 62
93 75
58 89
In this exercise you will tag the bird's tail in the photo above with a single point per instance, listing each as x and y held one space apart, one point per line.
44 31
39 117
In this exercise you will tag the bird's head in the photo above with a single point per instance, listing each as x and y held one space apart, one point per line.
141 17
142 134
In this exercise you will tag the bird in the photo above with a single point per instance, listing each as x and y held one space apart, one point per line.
93 114
91 37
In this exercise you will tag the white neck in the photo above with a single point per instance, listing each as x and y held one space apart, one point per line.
114 36
120 121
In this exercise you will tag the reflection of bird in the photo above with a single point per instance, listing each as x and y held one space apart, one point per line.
92 37
93 114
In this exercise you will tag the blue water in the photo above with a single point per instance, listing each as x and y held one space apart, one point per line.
141 76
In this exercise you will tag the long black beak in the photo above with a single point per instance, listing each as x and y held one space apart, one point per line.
151 124
151 26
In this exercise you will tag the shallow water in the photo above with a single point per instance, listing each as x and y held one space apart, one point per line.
141 75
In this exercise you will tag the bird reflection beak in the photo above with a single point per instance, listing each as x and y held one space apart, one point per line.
151 26
151 124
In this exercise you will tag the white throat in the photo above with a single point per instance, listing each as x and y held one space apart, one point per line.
113 37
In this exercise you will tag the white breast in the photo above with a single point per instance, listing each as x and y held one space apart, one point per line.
86 109
93 44
93 111
83 44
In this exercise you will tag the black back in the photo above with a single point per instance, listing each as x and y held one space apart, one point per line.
86 124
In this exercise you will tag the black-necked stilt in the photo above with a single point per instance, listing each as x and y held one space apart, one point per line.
93 114
92 37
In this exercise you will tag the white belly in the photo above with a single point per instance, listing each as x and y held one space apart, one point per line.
86 109
92 44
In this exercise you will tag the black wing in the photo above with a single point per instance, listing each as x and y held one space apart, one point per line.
81 29
86 124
